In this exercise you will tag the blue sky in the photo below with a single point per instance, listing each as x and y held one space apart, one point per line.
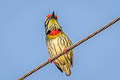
23 45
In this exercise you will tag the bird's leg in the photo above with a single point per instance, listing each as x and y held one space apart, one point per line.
66 54
64 50
55 62
49 60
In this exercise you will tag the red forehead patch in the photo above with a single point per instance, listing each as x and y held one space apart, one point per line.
49 15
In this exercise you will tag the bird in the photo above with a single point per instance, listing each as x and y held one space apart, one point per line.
57 41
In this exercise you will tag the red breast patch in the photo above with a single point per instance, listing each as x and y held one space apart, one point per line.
54 32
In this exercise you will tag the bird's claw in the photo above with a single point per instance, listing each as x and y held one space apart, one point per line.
64 50
50 61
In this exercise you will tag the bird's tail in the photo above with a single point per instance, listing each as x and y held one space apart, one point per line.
67 71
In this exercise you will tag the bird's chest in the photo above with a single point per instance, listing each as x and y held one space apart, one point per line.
55 46
55 42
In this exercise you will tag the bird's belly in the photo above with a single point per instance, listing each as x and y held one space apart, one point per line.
55 46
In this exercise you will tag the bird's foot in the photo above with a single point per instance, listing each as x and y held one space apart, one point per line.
66 54
64 50
55 62
49 60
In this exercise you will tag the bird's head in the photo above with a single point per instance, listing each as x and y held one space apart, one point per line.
51 23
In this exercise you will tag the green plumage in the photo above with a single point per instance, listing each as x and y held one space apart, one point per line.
56 44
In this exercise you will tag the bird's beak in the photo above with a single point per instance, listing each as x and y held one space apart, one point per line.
53 15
